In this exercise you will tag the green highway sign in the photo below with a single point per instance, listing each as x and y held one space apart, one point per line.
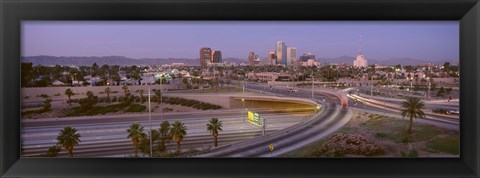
254 118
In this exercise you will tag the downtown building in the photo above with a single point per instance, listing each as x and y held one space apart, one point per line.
306 57
360 61
311 63
205 56
216 57
272 58
281 53
251 58
291 55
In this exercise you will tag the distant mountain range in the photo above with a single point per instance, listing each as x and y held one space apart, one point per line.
111 60
124 61
388 62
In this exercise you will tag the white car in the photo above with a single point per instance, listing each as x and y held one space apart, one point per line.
454 112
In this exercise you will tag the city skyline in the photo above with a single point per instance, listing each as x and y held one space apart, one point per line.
432 41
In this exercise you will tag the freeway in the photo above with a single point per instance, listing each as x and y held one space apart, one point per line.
392 107
329 119
106 135
332 116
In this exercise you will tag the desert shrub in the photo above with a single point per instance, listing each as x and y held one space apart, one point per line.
47 105
154 99
167 109
114 99
43 96
89 102
410 153
53 151
136 108
341 144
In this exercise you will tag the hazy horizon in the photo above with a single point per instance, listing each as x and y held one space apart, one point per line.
426 40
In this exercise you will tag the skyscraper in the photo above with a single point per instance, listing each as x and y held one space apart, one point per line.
217 57
251 58
291 55
281 53
205 56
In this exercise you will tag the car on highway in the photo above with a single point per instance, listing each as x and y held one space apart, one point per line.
440 111
293 90
446 111
454 112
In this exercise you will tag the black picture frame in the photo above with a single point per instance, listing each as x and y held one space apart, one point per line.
14 11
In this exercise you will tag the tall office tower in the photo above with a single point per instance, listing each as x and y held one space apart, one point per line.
281 53
272 57
306 57
216 56
205 56
251 58
291 55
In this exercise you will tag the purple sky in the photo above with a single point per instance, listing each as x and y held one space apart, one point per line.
426 40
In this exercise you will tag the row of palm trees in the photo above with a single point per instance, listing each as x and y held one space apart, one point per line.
68 138
69 93
176 132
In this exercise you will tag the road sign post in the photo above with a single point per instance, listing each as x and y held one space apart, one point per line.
264 125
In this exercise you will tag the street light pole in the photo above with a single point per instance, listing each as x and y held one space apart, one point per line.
411 79
312 85
429 84
243 102
161 98
150 121
264 125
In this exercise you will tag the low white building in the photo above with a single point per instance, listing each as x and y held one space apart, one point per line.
360 61
268 76
310 63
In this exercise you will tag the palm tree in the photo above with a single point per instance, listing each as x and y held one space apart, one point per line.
213 127
136 134
164 135
141 91
68 138
185 82
69 94
412 107
144 144
177 133
108 91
